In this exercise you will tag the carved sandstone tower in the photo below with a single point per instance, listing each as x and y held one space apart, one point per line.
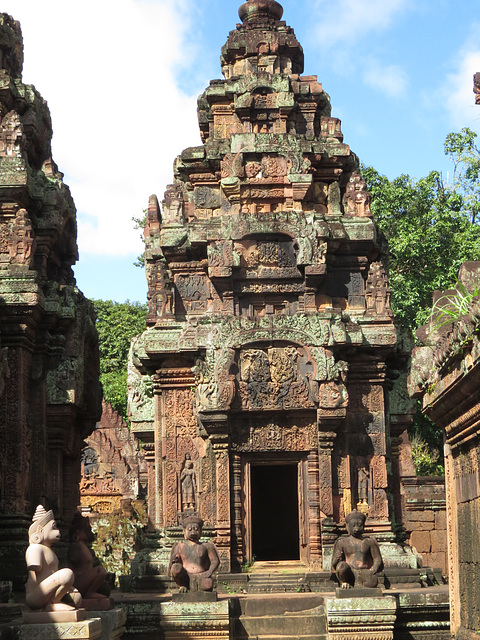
261 385
49 391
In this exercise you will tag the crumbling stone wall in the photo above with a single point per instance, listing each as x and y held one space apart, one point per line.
49 390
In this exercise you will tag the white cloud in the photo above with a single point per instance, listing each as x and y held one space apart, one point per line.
389 79
457 91
107 70
346 22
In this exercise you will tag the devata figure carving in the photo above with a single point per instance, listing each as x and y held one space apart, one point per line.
89 579
356 558
363 478
192 562
47 588
188 482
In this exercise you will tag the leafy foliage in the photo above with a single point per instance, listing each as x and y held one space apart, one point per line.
426 440
431 229
465 155
429 233
452 306
117 323
427 459
139 224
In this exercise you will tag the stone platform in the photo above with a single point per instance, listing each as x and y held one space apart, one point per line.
84 630
368 617
184 619
113 622
420 613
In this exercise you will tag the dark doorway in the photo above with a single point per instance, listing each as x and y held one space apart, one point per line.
274 501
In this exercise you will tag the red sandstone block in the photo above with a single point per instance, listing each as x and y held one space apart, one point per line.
439 541
421 541
436 560
419 526
441 520
421 516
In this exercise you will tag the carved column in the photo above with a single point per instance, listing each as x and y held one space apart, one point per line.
325 449
216 425
315 540
153 493
453 541
175 439
223 503
237 536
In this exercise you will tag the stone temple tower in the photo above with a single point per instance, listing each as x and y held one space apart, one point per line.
263 387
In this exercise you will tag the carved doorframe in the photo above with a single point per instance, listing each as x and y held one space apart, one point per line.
300 460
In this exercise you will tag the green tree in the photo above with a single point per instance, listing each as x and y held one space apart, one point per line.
431 229
117 323
465 156
430 234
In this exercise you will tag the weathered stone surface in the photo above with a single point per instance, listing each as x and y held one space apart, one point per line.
446 376
49 363
361 618
269 322
422 541
86 630
194 619
113 469
113 623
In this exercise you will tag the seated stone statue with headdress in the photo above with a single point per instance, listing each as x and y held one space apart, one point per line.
356 558
192 562
48 588
90 578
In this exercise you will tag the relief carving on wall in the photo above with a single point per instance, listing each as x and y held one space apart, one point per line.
193 291
377 291
356 200
264 255
21 243
188 485
264 433
215 385
285 378
274 378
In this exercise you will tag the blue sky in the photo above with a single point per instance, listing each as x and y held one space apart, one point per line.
122 76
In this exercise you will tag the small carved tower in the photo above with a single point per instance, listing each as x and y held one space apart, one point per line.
264 363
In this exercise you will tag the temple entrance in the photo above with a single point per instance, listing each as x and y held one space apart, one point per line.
275 512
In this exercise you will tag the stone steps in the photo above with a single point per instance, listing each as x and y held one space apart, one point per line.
290 617
278 583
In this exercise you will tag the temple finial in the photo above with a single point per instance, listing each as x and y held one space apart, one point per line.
260 11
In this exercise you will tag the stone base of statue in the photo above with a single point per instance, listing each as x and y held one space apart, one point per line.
361 618
83 630
195 596
41 617
97 604
193 620
359 592
113 622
